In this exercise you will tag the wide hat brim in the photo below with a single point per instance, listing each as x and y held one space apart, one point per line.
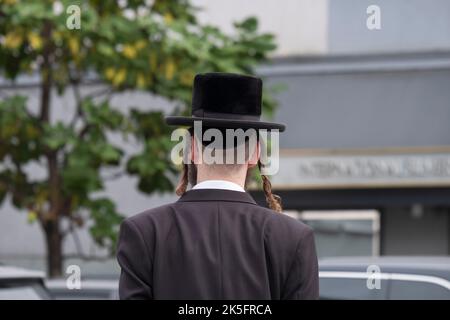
224 123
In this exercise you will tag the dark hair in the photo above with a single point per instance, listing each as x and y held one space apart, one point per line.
189 175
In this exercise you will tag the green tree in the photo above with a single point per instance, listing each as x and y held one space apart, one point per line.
127 45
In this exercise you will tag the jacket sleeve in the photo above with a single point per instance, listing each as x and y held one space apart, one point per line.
135 263
302 282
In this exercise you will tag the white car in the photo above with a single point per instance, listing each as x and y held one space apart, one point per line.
385 278
22 284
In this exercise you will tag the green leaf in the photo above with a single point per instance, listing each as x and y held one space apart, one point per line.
32 217
105 220
249 24
58 135
102 115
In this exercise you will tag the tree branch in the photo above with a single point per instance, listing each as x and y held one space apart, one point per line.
84 131
46 70
76 239
100 93
114 176
79 249
75 81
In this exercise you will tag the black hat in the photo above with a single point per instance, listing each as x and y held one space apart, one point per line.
226 100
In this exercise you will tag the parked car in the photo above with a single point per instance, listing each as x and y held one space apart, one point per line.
91 289
22 284
399 278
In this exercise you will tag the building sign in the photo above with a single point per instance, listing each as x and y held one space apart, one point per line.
362 170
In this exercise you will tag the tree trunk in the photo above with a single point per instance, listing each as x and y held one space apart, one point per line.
51 221
53 238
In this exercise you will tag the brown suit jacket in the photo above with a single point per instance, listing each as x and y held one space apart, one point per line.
216 244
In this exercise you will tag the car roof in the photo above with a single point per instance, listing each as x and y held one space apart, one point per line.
7 272
428 265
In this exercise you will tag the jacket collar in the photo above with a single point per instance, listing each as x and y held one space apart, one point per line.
216 195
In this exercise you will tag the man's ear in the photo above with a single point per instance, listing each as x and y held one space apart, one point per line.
192 153
195 154
254 158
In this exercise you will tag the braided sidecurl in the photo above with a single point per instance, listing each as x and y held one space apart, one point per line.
188 176
273 200
182 185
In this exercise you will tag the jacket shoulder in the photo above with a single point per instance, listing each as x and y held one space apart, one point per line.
148 217
282 226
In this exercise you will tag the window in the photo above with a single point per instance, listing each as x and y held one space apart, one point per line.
343 233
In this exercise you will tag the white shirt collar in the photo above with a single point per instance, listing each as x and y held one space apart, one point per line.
218 184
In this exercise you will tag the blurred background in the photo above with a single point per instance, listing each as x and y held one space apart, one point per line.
363 87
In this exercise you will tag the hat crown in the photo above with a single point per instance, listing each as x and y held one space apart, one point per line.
227 93
226 100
